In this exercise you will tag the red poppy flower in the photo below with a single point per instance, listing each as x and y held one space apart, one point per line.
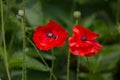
83 42
49 36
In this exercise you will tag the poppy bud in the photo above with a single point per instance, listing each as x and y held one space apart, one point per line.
21 12
77 14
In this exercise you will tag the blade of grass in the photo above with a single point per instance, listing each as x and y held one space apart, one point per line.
24 43
42 58
4 43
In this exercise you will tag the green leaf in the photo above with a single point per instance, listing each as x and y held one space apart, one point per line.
16 73
12 23
89 20
34 12
31 63
58 15
33 53
88 76
1 52
108 58
86 1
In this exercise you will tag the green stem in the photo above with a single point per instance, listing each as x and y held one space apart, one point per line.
88 62
11 42
73 8
4 43
88 68
68 66
77 22
117 12
52 51
23 65
24 43
42 58
77 76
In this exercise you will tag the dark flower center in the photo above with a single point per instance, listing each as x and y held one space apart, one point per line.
51 35
83 38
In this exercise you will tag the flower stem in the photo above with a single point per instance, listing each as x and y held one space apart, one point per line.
42 58
24 43
4 43
77 76
88 67
68 66
117 12
77 22
52 51
23 65
88 62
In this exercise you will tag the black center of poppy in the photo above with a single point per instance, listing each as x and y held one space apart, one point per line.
51 35
83 38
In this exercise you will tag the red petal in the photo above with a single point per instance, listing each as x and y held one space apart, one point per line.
78 31
95 49
84 48
55 26
59 31
81 31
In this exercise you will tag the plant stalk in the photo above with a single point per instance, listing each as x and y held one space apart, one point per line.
23 65
24 42
52 51
4 43
77 76
42 58
68 66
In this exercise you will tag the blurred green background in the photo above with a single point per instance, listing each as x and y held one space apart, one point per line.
101 16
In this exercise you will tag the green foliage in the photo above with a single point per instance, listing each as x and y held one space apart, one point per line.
31 52
101 16
17 60
34 13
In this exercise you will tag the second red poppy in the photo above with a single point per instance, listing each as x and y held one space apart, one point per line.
83 42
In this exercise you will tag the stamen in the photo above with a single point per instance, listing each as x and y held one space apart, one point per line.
83 38
55 37
50 35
